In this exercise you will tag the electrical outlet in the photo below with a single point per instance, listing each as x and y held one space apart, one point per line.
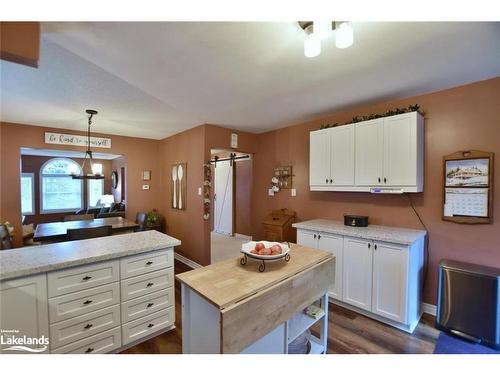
293 192
270 192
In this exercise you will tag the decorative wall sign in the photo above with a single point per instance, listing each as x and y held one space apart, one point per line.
234 140
468 187
76 140
146 175
207 184
179 186
282 177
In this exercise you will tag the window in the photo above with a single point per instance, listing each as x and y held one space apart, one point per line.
28 194
58 191
95 190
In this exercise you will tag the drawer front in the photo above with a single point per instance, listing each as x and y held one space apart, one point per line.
151 282
150 303
143 327
75 304
83 326
103 342
83 277
144 263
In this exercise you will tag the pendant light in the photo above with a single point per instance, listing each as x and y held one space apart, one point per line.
319 31
96 168
344 34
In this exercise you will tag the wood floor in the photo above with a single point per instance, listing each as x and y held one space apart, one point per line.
348 333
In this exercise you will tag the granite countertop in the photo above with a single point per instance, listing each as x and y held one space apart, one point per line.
403 236
31 260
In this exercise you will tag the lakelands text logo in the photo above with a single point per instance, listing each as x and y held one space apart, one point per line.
13 341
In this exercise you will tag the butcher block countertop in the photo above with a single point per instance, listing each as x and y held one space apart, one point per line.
228 282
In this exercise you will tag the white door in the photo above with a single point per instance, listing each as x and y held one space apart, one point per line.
369 152
390 271
400 150
223 221
319 157
342 155
357 273
23 307
307 238
335 245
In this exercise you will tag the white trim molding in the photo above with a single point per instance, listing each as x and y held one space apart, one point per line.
429 308
186 261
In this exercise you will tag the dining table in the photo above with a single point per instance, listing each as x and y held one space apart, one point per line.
57 231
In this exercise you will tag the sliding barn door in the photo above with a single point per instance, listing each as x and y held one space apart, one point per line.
223 221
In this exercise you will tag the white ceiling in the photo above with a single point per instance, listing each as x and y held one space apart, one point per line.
159 78
66 154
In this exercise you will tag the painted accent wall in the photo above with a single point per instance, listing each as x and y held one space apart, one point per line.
141 154
460 118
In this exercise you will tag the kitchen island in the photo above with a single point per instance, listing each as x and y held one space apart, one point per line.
99 295
232 308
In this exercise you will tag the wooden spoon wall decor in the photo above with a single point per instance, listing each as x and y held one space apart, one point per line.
179 186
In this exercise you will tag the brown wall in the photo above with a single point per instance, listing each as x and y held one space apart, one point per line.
141 154
461 118
20 42
32 164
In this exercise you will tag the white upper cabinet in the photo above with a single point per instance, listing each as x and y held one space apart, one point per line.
369 152
342 156
319 158
385 153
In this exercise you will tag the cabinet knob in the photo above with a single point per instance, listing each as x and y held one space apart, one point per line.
331 180
88 326
369 245
148 285
315 236
385 180
86 278
379 179
326 180
375 246
319 236
89 350
149 305
151 325
87 302
148 263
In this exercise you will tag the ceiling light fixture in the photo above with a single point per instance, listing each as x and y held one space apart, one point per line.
319 30
96 168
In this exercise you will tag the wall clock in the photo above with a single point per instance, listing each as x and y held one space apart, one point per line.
114 179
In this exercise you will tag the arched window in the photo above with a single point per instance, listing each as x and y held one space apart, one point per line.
58 191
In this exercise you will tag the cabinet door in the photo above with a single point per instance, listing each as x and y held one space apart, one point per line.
369 152
357 272
390 264
319 157
400 150
307 238
342 155
23 307
335 245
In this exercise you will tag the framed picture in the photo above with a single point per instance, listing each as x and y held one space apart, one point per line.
146 175
468 187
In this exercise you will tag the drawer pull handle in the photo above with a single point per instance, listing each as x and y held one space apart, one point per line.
326 180
87 302
148 285
375 246
89 350
385 180
331 180
151 325
315 236
149 305
87 278
148 263
88 326
369 245
319 236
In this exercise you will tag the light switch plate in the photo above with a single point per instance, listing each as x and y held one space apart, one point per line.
270 192
199 191
293 192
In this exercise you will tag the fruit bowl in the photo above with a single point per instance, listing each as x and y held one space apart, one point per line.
246 249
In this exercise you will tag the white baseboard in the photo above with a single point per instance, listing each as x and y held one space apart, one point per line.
187 261
243 236
429 309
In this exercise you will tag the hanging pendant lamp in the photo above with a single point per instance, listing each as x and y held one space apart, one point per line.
96 168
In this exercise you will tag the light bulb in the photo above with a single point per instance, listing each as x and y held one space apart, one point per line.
312 45
322 29
97 168
344 35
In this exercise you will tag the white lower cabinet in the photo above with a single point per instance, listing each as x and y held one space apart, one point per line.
93 308
357 280
23 308
379 279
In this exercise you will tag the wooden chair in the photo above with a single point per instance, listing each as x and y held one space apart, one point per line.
78 217
85 233
5 238
140 219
